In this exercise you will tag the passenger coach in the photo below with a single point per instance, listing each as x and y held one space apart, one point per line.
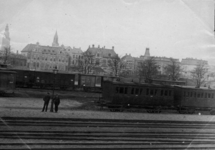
189 99
152 97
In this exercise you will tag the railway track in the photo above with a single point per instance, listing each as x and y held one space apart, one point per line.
56 133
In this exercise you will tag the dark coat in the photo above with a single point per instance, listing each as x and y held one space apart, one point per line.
46 98
56 100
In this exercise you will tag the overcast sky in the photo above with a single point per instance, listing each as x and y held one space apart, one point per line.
171 28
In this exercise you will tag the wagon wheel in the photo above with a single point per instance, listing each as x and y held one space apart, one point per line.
121 109
191 111
212 112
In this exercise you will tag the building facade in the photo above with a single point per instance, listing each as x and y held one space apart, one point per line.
43 58
103 57
189 64
132 63
46 58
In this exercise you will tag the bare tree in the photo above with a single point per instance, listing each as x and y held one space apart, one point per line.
199 74
173 70
148 69
88 63
116 65
6 54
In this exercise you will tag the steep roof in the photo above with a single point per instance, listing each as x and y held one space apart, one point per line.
49 49
103 51
192 61
74 50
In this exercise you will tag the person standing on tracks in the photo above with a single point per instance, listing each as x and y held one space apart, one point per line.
46 100
56 102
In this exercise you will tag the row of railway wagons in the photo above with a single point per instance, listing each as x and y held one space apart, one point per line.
63 81
118 96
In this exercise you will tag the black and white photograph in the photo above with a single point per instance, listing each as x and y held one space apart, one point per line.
107 74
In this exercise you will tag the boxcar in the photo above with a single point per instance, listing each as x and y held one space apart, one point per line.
45 80
93 83
154 98
7 81
189 99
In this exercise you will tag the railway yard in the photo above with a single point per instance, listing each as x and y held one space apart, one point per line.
79 124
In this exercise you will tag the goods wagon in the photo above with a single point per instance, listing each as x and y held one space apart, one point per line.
44 80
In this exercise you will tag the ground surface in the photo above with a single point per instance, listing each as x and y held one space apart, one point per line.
29 103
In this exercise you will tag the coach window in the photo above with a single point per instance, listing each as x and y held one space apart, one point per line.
121 90
132 91
161 92
170 92
184 93
166 93
199 95
126 90
117 89
209 95
151 92
187 95
202 95
212 95
137 91
191 94
141 90
205 95
147 91
156 90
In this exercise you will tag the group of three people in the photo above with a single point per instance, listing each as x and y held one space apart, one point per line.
55 101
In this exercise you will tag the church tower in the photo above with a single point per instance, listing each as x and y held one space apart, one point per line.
6 39
55 41
147 54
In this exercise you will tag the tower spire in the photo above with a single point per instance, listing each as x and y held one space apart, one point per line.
6 38
55 41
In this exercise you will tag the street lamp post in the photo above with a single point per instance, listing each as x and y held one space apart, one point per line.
55 71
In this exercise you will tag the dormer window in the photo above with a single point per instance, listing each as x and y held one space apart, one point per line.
109 55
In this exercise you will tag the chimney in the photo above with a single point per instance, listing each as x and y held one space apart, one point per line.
93 45
113 47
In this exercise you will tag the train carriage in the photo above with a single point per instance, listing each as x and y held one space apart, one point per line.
189 99
152 97
44 80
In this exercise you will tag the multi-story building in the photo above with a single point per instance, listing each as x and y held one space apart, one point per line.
103 56
188 65
47 57
133 62
75 54
163 62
